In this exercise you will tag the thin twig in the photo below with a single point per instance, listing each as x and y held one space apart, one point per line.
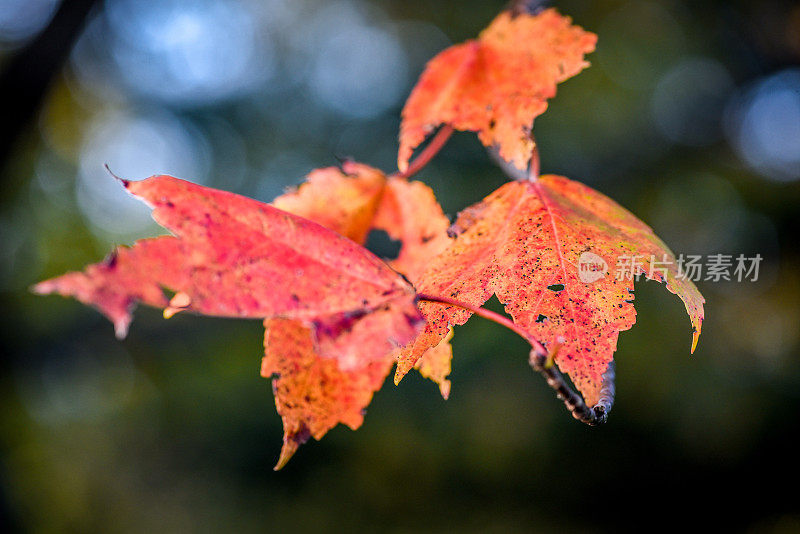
427 154
486 314
574 403
543 365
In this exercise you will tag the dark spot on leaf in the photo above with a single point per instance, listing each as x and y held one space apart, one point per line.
556 287
335 325
302 434
111 260
541 318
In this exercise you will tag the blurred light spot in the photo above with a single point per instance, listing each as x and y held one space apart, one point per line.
188 52
287 24
357 69
84 384
689 99
22 19
92 75
763 125
134 147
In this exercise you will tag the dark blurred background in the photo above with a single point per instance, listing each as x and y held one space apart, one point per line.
689 116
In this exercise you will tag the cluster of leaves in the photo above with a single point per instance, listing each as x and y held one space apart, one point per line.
336 317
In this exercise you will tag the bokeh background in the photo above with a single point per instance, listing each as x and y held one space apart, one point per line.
689 116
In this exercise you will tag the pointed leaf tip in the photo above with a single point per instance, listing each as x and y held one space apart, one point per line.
287 451
402 161
121 328
177 304
313 394
42 288
121 180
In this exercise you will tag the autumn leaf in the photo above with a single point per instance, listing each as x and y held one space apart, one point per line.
409 213
497 84
232 256
358 198
312 394
344 200
526 243
435 363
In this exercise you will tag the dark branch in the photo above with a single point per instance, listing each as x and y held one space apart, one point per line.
543 365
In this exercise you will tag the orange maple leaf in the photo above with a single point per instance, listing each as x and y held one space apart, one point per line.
236 257
344 200
358 198
496 85
313 394
527 243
